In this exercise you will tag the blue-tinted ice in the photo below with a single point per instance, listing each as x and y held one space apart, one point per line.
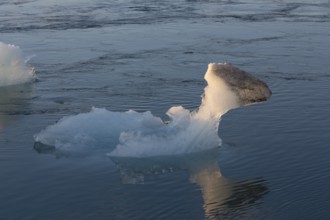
134 134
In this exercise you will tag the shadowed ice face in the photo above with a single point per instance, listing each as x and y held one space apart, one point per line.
248 89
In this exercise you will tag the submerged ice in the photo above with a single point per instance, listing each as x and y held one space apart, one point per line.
133 134
13 66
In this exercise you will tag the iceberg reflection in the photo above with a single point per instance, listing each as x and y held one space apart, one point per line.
223 198
13 101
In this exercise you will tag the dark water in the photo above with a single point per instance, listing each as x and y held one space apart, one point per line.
151 55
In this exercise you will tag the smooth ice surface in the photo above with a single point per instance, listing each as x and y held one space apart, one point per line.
13 66
133 134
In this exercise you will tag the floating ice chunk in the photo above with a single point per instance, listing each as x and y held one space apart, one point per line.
13 66
133 134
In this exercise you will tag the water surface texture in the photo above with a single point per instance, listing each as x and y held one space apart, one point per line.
149 56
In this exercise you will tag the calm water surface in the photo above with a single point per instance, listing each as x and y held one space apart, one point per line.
149 56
